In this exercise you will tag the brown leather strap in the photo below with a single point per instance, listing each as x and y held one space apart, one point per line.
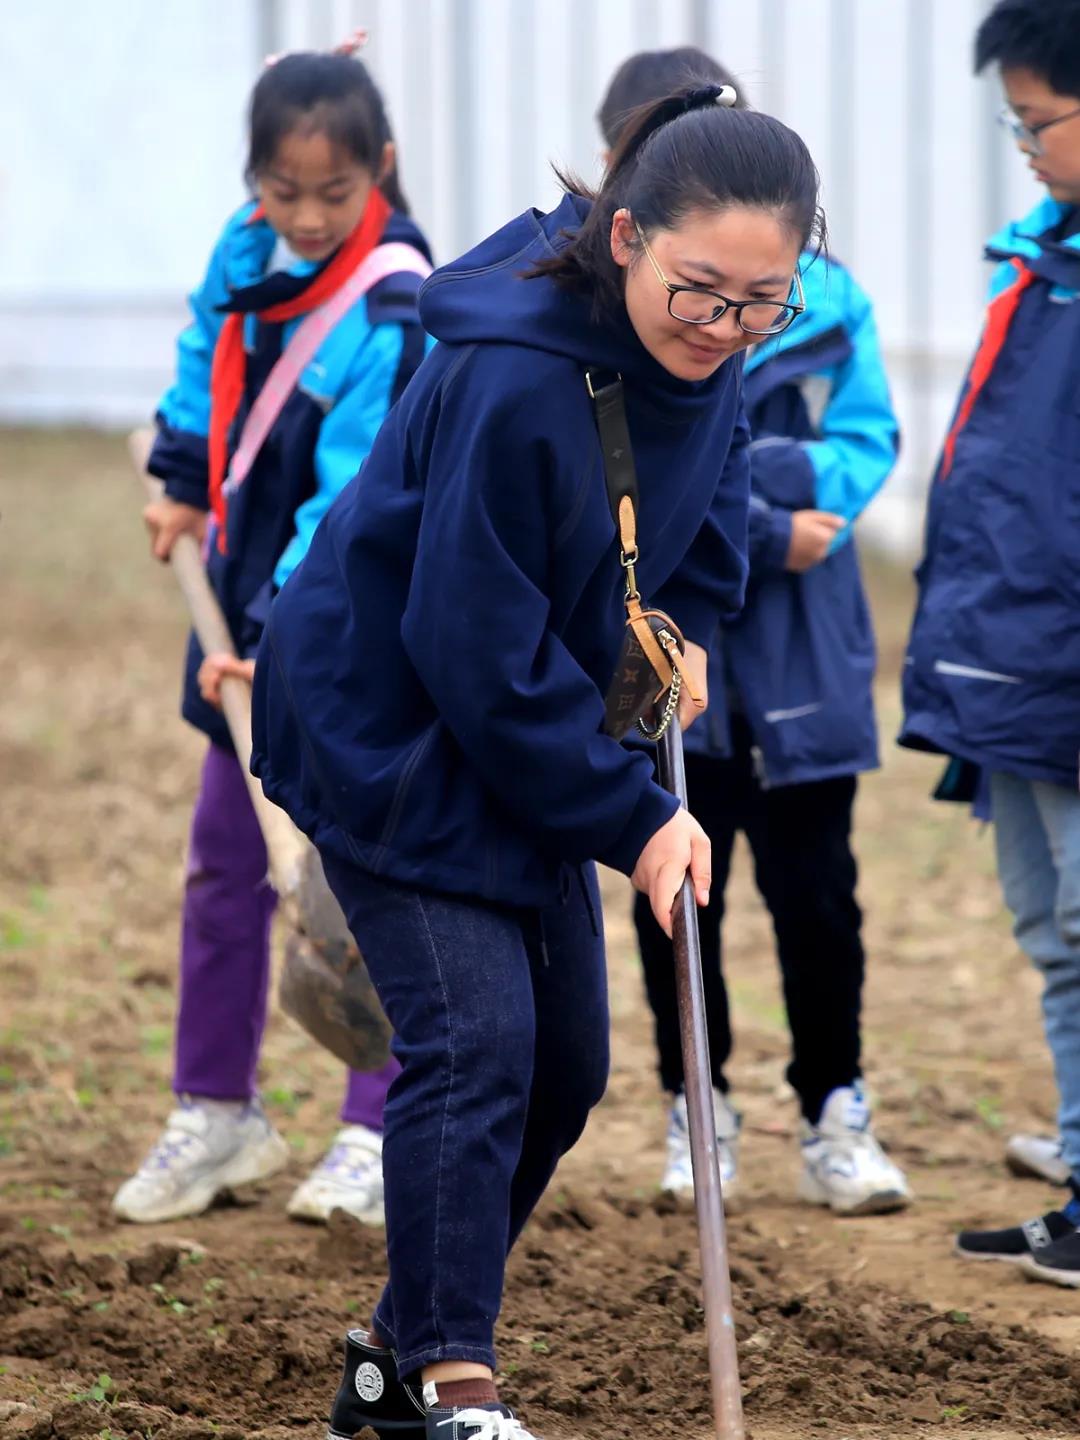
679 661
627 526
676 658
657 656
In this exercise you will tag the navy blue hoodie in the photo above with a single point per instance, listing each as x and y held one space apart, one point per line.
428 698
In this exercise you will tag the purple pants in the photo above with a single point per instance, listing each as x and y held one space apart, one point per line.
225 953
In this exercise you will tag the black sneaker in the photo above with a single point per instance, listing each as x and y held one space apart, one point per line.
1059 1263
1018 1243
471 1422
370 1393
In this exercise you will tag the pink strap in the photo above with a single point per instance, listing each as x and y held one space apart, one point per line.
385 260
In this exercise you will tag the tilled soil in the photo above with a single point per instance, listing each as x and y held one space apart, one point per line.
602 1334
230 1324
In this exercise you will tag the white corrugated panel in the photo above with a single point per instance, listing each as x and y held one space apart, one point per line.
124 121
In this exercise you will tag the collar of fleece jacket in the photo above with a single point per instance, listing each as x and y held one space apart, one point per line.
1047 241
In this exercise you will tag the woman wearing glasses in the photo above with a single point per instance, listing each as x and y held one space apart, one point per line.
429 698
791 719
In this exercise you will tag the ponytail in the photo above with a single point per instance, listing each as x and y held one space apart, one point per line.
690 151
646 119
653 74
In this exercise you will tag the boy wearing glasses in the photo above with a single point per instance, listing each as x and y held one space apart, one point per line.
778 761
993 670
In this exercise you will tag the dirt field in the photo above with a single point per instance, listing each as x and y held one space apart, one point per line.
228 1326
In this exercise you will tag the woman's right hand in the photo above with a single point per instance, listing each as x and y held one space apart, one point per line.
677 847
167 520
812 532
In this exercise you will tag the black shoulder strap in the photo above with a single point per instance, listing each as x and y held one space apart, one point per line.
606 390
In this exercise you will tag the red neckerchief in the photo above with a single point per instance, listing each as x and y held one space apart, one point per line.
230 359
999 317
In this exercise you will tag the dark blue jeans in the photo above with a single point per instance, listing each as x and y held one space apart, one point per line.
501 1026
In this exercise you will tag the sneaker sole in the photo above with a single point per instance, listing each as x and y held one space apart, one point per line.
1023 1170
882 1202
259 1163
312 1213
1032 1270
384 1427
963 1254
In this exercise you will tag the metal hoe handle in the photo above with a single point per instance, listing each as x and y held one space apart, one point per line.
708 1198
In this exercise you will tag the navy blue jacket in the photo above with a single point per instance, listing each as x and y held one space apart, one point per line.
993 666
429 693
319 440
799 660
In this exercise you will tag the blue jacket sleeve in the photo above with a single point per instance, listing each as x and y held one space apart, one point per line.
859 437
179 455
840 471
476 628
710 584
770 536
349 429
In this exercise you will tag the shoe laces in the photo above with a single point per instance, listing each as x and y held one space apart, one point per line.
189 1127
182 1132
353 1157
851 1146
491 1425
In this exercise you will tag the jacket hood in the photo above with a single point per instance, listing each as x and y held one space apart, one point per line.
483 297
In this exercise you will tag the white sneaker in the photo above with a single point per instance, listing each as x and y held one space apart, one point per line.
844 1167
207 1146
1039 1156
679 1175
349 1177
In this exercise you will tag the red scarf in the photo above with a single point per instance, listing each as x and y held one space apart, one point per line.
999 317
230 359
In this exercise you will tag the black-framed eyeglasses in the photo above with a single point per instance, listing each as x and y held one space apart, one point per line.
694 305
1028 135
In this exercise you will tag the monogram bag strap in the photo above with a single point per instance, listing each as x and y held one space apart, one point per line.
609 406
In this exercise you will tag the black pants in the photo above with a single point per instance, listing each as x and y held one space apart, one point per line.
800 839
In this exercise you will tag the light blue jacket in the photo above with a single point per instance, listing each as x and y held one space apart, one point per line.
318 442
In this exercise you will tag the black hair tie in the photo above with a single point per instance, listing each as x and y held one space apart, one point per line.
706 95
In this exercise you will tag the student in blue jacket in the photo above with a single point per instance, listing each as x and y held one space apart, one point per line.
992 676
792 717
322 169
429 695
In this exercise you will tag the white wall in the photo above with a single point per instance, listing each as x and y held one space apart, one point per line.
124 121
125 143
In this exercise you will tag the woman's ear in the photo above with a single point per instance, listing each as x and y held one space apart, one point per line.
387 161
622 232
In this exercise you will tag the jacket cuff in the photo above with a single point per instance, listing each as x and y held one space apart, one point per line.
178 458
697 615
187 492
775 550
654 809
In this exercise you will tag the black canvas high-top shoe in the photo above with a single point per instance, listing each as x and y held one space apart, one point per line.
370 1393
